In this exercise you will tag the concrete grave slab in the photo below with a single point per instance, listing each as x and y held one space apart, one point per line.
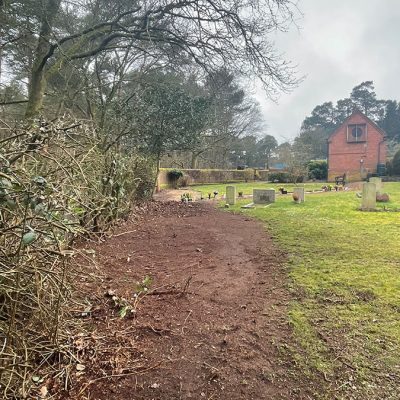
263 196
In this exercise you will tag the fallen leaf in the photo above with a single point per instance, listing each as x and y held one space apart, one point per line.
43 392
80 367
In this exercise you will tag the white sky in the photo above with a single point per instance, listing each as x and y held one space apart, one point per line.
338 45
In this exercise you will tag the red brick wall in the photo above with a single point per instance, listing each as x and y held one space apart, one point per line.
345 157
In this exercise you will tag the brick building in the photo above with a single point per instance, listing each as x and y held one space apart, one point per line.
356 148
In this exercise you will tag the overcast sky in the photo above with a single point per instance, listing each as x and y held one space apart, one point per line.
338 45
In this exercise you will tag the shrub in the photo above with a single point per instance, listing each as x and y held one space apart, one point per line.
395 164
317 169
174 174
54 188
389 169
280 177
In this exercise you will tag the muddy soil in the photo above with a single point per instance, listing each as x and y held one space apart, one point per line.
213 324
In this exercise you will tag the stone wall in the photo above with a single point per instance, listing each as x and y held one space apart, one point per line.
202 176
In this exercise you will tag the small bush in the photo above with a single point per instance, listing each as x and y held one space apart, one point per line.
174 175
318 169
280 177
395 164
389 169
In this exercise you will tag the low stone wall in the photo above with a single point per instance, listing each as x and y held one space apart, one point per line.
390 178
202 176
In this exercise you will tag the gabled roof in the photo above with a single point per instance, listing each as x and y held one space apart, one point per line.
357 112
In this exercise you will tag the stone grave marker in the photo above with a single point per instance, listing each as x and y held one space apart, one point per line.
263 196
231 195
300 193
368 196
378 183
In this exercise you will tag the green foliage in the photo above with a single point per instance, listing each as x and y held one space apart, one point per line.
395 164
54 188
318 169
279 177
174 174
126 307
164 115
252 151
29 238
185 197
144 285
285 177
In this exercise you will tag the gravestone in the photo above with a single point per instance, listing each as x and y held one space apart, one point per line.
231 195
368 196
263 196
378 183
299 192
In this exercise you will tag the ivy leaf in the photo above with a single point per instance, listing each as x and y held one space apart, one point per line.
39 180
11 204
37 379
123 311
29 238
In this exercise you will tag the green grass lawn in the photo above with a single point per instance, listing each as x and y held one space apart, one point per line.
247 188
344 268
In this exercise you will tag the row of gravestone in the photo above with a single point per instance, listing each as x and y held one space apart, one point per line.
263 196
267 196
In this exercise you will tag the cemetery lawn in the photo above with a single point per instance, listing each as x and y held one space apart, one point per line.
344 268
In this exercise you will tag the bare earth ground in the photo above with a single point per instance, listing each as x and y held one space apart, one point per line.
215 320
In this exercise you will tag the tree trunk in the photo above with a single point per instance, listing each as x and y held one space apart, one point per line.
193 164
156 187
37 81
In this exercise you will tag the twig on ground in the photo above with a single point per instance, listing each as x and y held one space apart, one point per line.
138 372
184 323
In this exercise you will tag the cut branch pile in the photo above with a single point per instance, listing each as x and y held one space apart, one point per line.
56 184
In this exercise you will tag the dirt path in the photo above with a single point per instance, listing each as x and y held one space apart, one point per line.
215 327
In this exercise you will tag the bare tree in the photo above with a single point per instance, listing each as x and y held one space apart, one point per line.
212 33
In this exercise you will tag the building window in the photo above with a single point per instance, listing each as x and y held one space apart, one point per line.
357 133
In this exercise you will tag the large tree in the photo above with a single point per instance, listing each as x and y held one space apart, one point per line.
364 98
266 147
232 114
210 33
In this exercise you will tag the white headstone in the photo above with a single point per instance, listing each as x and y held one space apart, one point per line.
231 195
368 196
378 183
263 196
